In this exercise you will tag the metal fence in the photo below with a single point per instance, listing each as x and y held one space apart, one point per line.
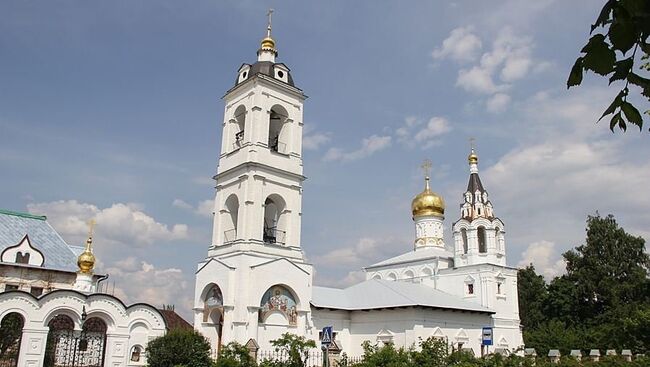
313 357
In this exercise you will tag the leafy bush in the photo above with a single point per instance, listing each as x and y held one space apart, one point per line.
235 355
178 348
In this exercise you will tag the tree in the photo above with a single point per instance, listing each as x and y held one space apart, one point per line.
624 29
296 348
235 355
179 347
532 297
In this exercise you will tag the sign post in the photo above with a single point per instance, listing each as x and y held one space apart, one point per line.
325 342
486 338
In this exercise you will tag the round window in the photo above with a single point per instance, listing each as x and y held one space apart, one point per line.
280 73
244 74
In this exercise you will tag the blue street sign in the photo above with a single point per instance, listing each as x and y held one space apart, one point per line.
327 336
486 336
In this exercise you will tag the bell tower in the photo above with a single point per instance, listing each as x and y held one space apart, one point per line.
256 248
478 234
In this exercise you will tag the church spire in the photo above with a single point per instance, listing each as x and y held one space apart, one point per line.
476 203
267 51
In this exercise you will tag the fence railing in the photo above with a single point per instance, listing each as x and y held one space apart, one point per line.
274 236
313 357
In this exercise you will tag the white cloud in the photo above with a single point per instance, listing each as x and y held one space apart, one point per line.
415 132
545 257
203 181
369 146
178 203
498 102
461 45
204 208
477 80
367 250
124 223
139 281
315 141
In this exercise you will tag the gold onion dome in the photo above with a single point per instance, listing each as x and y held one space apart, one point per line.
428 203
86 261
268 44
472 158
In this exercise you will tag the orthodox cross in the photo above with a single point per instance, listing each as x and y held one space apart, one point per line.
91 227
426 167
471 143
268 29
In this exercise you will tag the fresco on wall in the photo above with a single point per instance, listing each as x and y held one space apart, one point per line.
279 299
213 300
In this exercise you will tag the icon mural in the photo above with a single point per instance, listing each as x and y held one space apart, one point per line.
279 299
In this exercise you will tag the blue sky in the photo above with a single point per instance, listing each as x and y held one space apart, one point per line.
112 110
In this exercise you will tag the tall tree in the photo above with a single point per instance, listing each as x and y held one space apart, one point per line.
610 270
624 28
532 297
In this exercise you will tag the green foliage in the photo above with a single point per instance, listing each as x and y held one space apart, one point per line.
603 300
179 347
296 348
625 26
235 355
10 331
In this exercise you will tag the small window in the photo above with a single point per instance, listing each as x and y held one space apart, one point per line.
460 346
470 288
499 288
11 287
482 240
136 353
244 74
22 259
280 73
36 291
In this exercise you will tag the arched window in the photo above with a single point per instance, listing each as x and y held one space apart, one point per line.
409 274
377 276
239 123
497 238
392 276
22 258
229 218
274 220
426 272
277 129
279 300
11 332
482 240
463 234
136 353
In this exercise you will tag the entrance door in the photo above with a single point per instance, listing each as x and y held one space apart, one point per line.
69 348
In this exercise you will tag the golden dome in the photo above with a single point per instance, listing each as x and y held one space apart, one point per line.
268 43
428 203
472 158
86 262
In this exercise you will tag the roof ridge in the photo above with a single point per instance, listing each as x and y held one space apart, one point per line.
22 214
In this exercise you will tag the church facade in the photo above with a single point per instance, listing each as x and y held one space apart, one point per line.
256 284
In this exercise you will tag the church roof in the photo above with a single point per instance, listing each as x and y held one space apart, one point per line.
474 183
13 228
266 68
414 256
376 294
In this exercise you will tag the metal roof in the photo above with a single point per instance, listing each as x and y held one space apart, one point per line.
414 256
377 294
14 226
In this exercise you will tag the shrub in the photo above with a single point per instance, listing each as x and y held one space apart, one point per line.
179 347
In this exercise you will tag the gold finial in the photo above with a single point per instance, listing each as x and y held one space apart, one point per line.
426 168
473 157
268 43
86 261
268 29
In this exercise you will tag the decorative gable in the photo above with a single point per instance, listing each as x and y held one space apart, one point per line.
23 253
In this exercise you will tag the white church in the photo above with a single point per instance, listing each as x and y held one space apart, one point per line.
256 283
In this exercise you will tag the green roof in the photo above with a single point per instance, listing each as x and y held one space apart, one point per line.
22 215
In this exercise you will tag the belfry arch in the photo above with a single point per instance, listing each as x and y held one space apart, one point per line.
275 220
278 129
230 218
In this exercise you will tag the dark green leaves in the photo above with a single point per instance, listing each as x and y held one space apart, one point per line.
575 77
625 27
623 36
598 58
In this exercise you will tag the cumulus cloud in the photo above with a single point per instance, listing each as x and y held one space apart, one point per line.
140 281
124 223
416 132
545 257
204 208
461 45
369 146
314 140
498 102
366 251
